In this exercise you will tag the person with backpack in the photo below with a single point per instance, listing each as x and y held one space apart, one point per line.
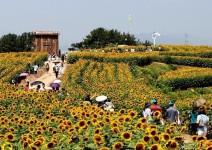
202 122
193 119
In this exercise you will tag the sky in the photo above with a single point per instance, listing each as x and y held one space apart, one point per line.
75 19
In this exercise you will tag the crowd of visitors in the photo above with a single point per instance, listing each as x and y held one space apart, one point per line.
199 121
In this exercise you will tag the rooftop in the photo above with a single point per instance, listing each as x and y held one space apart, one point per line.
45 32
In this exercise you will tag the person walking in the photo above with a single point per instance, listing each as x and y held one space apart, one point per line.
35 69
56 70
63 58
154 107
171 113
193 119
47 67
147 113
202 122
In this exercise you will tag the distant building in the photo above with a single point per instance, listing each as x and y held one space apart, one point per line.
46 41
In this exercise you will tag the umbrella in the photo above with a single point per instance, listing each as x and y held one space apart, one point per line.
57 81
101 98
36 83
56 62
23 74
199 102
55 85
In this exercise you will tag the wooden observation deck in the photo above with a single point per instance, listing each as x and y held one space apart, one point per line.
46 41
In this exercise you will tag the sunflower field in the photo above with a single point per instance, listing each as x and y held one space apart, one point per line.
59 120
12 64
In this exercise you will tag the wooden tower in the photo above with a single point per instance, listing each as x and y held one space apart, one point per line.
46 41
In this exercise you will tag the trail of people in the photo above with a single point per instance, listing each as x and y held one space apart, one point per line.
47 77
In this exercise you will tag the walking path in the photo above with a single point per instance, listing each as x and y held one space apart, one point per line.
49 77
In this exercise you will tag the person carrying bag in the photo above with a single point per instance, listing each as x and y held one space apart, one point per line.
202 122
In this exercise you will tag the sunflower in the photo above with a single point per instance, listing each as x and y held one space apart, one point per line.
194 138
121 119
98 139
50 145
168 130
97 131
179 138
107 119
101 113
115 130
208 147
140 146
25 144
201 138
122 111
101 124
153 132
114 124
146 138
94 121
38 143
164 136
138 125
9 136
31 129
118 146
173 124
155 147
157 114
208 143
143 120
144 126
172 144
156 138
133 114
127 136
104 148
82 124
127 119
183 129
33 147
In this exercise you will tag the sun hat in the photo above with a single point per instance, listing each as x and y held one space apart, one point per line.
154 101
171 103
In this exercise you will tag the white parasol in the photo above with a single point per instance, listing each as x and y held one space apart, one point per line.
57 81
101 98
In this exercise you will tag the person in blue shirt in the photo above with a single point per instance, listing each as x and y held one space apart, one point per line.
171 113
193 119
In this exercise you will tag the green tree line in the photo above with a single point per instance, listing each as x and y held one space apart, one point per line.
100 37
16 43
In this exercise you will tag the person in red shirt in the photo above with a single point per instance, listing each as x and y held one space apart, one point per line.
155 106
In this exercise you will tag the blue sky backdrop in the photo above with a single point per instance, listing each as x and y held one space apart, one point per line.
76 18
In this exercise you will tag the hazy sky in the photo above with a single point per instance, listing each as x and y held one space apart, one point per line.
76 18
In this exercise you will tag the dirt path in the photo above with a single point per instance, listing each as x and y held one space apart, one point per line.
187 138
45 77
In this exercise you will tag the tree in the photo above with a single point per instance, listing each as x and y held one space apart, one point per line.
25 41
100 37
146 43
15 43
9 43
